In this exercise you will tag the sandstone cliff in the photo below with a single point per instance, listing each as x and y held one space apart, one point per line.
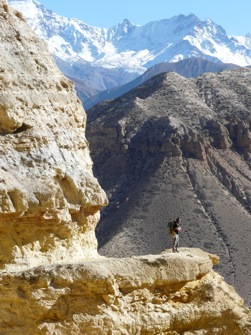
52 281
49 199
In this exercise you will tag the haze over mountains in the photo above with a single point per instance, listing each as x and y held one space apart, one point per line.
106 58
191 67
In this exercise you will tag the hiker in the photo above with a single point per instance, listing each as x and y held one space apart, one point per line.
175 232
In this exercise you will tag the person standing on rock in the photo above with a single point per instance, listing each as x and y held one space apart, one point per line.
175 233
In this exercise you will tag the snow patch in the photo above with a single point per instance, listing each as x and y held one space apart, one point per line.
131 47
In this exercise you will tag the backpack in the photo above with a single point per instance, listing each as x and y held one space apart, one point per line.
170 227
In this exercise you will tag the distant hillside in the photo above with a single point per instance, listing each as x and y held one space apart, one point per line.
178 147
191 67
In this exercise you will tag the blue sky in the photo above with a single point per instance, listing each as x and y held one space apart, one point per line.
233 15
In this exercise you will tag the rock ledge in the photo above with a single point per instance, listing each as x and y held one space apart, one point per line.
155 294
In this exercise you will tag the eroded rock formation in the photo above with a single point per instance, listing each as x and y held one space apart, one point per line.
52 281
157 294
49 199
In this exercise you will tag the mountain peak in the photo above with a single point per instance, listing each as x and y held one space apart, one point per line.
190 16
126 22
131 48
123 27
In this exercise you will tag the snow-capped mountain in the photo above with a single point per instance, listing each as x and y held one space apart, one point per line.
121 53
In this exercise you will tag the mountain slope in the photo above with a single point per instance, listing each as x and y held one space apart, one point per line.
178 147
191 67
127 50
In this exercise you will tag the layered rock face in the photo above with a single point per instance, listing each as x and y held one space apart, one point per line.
178 147
52 281
164 294
49 199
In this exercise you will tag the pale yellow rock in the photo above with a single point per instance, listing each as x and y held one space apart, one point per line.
49 199
155 294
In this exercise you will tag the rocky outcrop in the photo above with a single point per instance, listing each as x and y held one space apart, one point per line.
157 294
49 199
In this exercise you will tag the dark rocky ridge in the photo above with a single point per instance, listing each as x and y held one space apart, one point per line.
189 68
178 147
